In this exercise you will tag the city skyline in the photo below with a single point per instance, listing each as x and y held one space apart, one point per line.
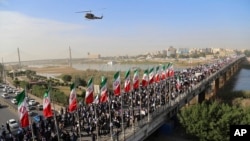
46 29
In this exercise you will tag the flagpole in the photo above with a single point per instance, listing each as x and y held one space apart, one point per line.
148 93
132 113
79 123
54 115
97 135
29 118
140 102
165 94
78 114
123 130
56 122
169 89
111 131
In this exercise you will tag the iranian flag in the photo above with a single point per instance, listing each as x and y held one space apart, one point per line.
72 98
163 72
157 75
167 70
89 98
22 109
117 84
178 83
171 70
151 75
127 82
136 79
47 112
104 90
97 100
145 78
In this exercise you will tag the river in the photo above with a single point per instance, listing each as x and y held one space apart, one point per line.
242 80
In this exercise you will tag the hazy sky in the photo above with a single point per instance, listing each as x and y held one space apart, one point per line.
44 29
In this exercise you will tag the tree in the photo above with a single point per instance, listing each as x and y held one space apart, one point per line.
1 72
16 82
247 53
80 81
67 78
211 121
24 85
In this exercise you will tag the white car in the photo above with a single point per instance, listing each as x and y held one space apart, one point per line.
17 92
14 101
32 102
13 123
5 95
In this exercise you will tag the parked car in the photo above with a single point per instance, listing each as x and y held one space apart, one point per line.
37 118
31 113
13 123
40 107
14 101
32 102
4 89
1 86
31 107
17 92
5 95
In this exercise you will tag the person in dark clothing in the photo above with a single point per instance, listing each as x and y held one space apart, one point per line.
93 137
8 126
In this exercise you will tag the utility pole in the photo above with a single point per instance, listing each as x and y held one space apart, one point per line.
19 60
70 59
3 72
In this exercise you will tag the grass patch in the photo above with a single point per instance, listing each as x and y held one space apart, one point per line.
66 90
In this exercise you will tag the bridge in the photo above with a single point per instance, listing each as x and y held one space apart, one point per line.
205 89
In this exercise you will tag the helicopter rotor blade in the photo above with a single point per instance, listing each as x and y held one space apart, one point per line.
83 11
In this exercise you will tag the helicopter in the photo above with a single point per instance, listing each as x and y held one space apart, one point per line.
89 15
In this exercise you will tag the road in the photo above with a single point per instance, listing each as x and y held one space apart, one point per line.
6 114
8 110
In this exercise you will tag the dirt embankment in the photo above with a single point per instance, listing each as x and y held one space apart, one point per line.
56 69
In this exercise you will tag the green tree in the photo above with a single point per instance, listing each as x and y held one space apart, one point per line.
16 82
38 90
80 81
247 53
1 72
211 121
24 85
67 78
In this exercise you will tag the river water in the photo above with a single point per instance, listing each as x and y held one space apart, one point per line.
242 80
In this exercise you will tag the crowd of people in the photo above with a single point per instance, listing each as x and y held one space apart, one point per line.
118 113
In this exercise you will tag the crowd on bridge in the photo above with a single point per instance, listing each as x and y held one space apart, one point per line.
99 120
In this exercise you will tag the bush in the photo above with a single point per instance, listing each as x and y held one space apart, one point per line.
211 121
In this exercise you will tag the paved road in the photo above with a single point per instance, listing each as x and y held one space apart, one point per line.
6 114
9 110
